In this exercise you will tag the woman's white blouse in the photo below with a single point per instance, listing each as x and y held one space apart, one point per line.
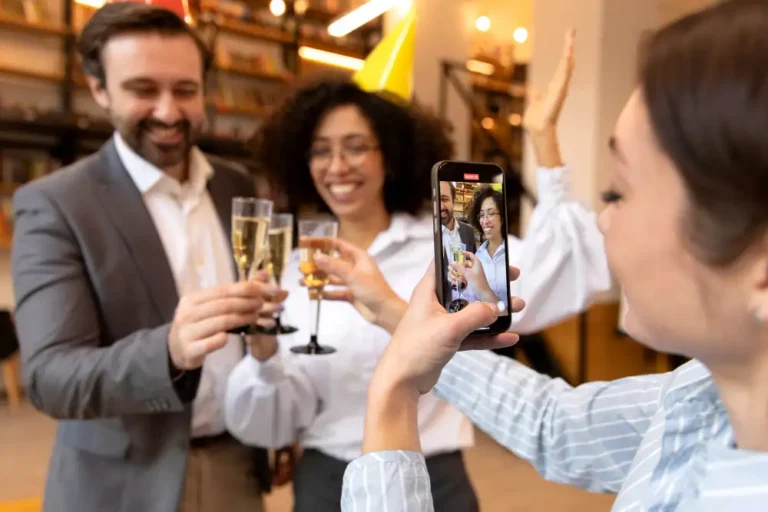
320 400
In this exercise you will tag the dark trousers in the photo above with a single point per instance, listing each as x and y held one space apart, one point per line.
318 479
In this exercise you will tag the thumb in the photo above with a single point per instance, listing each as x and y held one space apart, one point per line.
425 290
334 266
474 316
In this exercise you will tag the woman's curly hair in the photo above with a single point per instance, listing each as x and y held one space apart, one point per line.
481 194
411 141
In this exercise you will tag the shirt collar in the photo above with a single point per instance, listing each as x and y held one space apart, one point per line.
148 177
484 248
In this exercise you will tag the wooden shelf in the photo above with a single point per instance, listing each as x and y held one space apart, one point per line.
17 22
7 188
239 69
30 73
239 111
255 31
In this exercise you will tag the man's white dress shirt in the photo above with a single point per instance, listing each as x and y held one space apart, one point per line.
200 257
320 400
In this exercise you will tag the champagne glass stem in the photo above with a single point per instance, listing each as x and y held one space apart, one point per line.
315 325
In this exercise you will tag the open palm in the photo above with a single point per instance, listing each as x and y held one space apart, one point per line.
543 110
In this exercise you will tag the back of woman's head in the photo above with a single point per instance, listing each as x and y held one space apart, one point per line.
410 139
705 84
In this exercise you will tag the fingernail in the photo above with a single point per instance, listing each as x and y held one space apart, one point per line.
321 258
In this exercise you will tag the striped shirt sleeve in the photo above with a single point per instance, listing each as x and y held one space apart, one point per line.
585 436
388 481
729 479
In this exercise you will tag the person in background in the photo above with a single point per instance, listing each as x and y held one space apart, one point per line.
455 233
125 287
686 231
368 161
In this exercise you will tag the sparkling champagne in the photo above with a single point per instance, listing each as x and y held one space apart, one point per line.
279 249
248 237
308 249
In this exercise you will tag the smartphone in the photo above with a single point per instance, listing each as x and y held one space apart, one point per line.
470 225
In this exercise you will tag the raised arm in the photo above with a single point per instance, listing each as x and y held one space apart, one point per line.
562 257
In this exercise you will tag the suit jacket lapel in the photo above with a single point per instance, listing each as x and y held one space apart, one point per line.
125 205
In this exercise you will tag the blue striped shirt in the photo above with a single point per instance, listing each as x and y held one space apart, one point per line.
662 442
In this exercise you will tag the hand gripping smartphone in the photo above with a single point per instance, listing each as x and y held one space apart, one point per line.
470 225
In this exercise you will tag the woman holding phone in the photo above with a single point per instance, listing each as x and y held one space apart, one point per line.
686 230
367 160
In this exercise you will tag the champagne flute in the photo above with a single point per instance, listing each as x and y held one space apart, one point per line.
457 253
314 238
280 240
250 223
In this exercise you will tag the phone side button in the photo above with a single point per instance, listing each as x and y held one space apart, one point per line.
435 225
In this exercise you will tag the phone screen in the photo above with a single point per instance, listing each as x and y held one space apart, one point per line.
471 237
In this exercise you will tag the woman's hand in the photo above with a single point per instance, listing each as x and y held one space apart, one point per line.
426 339
475 275
543 111
365 286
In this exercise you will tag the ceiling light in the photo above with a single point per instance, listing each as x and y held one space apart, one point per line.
520 35
488 123
333 59
277 7
483 23
362 15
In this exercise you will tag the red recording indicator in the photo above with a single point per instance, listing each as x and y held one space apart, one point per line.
472 177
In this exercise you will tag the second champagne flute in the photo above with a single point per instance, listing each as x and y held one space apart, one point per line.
280 243
250 223
315 238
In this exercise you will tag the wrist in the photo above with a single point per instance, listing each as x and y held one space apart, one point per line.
547 148
391 417
390 312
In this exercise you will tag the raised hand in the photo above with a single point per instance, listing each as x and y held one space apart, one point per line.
543 111
363 285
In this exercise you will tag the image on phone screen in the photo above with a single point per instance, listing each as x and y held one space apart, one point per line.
474 236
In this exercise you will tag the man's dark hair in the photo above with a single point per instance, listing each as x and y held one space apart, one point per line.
481 195
704 80
411 141
114 19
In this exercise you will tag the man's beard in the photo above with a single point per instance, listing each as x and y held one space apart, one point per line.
445 219
162 156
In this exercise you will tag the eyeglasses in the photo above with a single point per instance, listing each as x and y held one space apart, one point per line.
487 215
353 155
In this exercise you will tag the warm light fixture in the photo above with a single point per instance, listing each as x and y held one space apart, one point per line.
483 24
520 35
478 66
362 15
488 123
277 7
301 6
515 119
333 59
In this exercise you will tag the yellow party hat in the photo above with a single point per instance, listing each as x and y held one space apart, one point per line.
389 67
